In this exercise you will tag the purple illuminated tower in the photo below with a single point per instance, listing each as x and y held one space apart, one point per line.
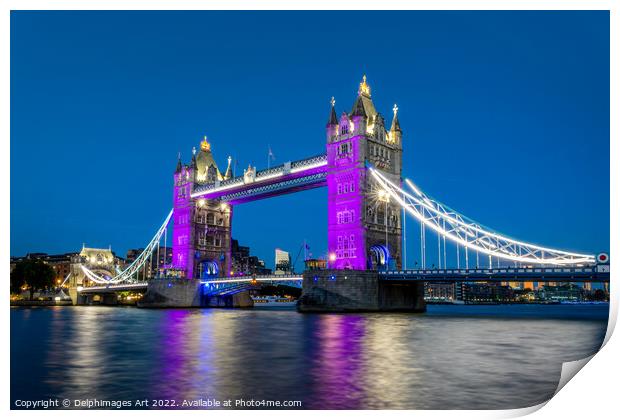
364 227
201 237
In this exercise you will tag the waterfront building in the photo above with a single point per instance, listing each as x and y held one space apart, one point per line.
61 263
101 261
439 292
133 254
282 262
315 264
160 258
567 292
487 292
243 263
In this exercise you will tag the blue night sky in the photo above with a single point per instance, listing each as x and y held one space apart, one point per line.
505 117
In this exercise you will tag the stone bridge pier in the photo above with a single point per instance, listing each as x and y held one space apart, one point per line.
358 291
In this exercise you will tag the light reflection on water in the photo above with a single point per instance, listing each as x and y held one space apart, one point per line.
444 359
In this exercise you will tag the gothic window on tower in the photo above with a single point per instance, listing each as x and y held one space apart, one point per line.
344 149
218 241
346 246
210 218
380 216
345 216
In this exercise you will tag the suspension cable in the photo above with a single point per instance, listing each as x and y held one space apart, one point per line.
463 230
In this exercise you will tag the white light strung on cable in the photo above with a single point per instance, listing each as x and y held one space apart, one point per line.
135 266
466 232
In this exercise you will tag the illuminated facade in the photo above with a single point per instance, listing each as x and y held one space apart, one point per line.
202 227
364 226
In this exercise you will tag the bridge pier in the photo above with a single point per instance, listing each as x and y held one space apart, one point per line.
358 291
96 298
238 300
172 293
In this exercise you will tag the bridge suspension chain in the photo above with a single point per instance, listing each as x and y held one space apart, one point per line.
138 264
464 231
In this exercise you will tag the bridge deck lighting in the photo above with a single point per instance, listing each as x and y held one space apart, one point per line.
201 202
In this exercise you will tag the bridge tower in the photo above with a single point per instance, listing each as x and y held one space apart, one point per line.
364 227
202 228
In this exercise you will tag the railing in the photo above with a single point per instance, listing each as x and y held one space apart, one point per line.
112 287
250 279
506 270
561 274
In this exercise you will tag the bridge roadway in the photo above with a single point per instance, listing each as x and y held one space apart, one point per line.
599 273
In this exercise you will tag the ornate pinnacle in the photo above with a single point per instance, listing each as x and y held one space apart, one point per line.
364 87
205 145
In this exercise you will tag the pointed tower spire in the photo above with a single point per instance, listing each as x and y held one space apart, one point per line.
363 106
205 145
333 118
179 165
395 123
194 165
228 173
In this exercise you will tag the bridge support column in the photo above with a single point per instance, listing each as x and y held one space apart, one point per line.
167 293
74 295
358 291
238 300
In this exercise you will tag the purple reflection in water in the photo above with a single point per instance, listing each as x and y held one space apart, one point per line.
337 369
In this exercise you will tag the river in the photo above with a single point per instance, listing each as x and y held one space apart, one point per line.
452 357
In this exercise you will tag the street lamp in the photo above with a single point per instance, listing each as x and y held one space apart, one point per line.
384 196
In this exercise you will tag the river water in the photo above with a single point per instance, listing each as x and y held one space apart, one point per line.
453 357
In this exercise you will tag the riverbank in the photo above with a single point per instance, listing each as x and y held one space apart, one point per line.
41 303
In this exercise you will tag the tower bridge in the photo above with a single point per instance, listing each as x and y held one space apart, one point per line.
368 203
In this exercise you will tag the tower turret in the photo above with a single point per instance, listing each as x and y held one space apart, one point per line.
179 165
331 127
357 218
395 135
228 173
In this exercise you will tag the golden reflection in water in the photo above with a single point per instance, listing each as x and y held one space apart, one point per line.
390 340
76 353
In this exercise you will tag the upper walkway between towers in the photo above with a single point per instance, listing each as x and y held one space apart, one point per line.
282 179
